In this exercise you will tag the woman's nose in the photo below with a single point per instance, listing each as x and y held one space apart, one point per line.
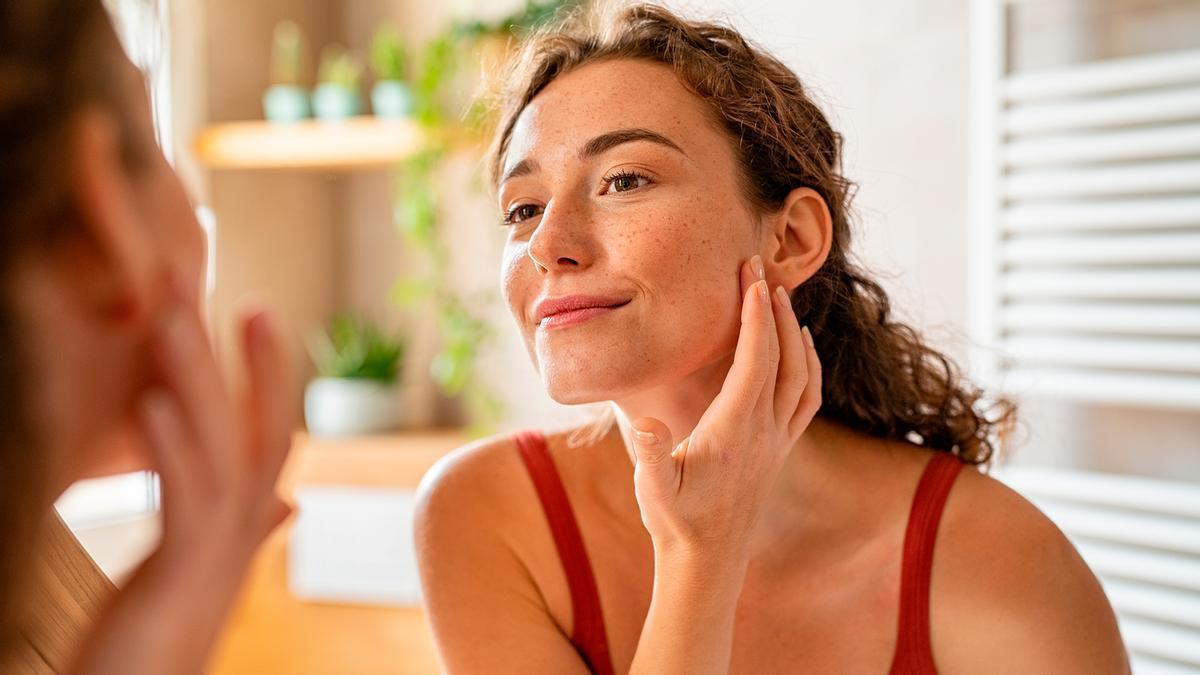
560 242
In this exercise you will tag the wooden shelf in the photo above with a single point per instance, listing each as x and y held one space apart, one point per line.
354 144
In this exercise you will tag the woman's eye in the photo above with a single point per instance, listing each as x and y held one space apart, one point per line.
624 182
519 213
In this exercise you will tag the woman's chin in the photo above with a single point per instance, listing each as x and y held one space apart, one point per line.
575 393
580 389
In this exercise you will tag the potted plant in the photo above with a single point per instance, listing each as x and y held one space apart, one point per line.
339 77
391 97
356 390
286 100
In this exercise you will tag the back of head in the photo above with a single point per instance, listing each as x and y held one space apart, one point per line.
56 56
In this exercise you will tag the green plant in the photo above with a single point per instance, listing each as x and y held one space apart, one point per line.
287 47
389 56
340 67
436 67
357 349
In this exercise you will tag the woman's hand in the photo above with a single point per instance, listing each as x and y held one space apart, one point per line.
705 494
218 461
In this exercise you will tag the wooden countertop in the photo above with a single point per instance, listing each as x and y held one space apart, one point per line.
270 632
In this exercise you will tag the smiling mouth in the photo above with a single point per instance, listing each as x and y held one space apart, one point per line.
574 317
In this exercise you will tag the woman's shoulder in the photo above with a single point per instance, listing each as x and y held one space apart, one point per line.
477 508
994 529
1006 574
487 479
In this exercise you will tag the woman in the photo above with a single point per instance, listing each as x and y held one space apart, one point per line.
102 347
675 213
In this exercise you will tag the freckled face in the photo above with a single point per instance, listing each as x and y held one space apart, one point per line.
650 216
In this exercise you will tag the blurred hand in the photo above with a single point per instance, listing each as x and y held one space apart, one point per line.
705 494
218 460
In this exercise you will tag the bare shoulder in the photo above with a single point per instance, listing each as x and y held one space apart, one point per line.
1011 593
474 478
482 574
486 479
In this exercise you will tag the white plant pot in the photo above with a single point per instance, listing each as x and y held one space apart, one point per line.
335 406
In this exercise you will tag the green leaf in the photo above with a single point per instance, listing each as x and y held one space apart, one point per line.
355 348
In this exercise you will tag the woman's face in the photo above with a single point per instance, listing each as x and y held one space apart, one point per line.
622 199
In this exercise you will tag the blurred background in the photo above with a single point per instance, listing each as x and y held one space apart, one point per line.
1029 193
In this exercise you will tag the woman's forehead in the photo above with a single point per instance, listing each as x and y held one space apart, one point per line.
610 94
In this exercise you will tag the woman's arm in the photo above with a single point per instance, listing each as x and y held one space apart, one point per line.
218 465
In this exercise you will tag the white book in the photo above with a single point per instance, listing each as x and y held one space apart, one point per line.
354 545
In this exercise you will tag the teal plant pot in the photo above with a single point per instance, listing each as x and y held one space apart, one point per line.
286 103
391 99
335 102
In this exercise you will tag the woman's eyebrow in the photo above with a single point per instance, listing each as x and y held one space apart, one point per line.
607 141
521 168
598 145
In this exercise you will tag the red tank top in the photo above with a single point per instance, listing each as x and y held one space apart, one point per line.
913 655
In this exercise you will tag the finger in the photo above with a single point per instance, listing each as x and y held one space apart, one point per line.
744 383
750 272
793 363
810 400
277 513
268 413
190 371
766 399
655 465
162 426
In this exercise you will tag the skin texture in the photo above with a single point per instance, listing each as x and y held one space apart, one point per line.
764 541
124 375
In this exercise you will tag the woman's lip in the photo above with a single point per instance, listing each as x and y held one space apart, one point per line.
577 316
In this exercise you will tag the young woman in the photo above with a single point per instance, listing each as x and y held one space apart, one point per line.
769 498
102 348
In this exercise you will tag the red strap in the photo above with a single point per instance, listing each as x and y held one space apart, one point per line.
588 632
914 655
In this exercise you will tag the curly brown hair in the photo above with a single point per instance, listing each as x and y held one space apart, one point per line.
881 378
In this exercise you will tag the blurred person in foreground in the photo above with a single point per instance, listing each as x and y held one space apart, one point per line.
103 351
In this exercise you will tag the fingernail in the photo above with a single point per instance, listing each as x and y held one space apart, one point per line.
645 437
782 295
763 293
757 265
808 339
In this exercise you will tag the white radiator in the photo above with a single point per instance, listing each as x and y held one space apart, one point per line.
1085 224
1142 539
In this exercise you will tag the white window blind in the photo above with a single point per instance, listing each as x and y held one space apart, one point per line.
1085 223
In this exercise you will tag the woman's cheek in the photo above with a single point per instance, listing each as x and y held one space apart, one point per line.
513 287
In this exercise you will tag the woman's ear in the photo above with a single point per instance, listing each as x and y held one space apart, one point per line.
799 237
112 260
